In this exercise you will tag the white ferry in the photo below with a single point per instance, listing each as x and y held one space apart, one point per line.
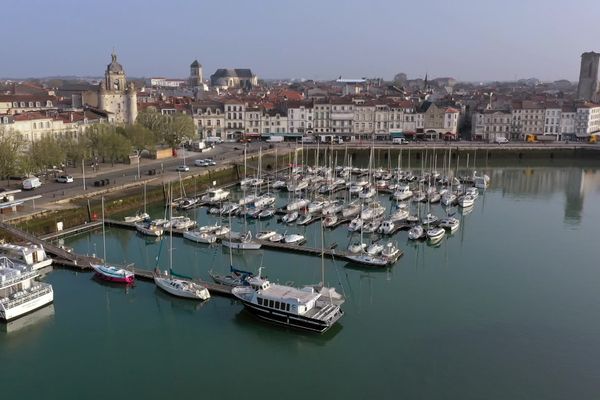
20 293
32 256
297 308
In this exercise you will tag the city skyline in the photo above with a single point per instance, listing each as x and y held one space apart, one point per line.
465 40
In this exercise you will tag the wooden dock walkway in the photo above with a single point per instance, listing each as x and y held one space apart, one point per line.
73 231
66 259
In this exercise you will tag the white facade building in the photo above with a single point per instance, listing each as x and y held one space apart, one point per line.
300 119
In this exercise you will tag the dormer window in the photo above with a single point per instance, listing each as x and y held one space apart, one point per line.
31 104
48 103
22 104
15 104
38 104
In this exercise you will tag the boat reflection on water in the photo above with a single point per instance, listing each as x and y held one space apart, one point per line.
467 210
34 318
148 240
178 304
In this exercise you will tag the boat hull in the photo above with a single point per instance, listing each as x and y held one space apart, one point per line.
26 308
290 320
163 284
113 278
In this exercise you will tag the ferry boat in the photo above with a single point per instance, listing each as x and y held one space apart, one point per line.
32 256
297 308
20 293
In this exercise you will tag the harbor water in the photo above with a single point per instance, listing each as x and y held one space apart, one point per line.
505 308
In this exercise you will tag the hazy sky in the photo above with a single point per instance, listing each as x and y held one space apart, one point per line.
314 39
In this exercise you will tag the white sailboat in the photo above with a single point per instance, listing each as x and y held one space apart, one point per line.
178 287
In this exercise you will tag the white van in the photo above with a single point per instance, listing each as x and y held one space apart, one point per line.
399 141
213 139
31 183
275 139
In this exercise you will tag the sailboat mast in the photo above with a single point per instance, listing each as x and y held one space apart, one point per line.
171 232
322 254
103 234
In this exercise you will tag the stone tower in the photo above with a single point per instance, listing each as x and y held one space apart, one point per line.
114 76
115 96
588 77
195 74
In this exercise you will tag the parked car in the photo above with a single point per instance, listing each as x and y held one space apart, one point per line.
201 163
399 141
500 140
210 161
64 179
183 168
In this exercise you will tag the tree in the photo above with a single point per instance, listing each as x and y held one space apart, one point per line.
180 127
11 144
139 136
108 144
76 150
170 129
400 78
154 121
46 152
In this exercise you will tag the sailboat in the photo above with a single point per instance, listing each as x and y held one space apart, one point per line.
242 242
107 272
139 216
327 293
178 287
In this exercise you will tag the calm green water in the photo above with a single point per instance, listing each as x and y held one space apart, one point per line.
507 308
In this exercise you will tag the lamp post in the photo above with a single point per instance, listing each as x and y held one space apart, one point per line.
83 171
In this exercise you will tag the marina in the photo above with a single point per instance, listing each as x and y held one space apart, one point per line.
427 289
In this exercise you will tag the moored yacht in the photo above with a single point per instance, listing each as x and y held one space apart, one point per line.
179 287
289 306
450 223
20 293
200 237
32 256
138 217
215 195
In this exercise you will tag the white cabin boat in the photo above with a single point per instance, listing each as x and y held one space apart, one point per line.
200 237
20 293
215 195
32 256
286 305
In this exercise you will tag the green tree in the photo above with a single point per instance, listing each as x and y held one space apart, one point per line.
153 120
46 152
77 150
108 144
11 145
169 129
139 136
179 128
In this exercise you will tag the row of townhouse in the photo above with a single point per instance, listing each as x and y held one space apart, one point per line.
34 125
353 118
569 121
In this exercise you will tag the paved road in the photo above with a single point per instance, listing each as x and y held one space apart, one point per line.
121 174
